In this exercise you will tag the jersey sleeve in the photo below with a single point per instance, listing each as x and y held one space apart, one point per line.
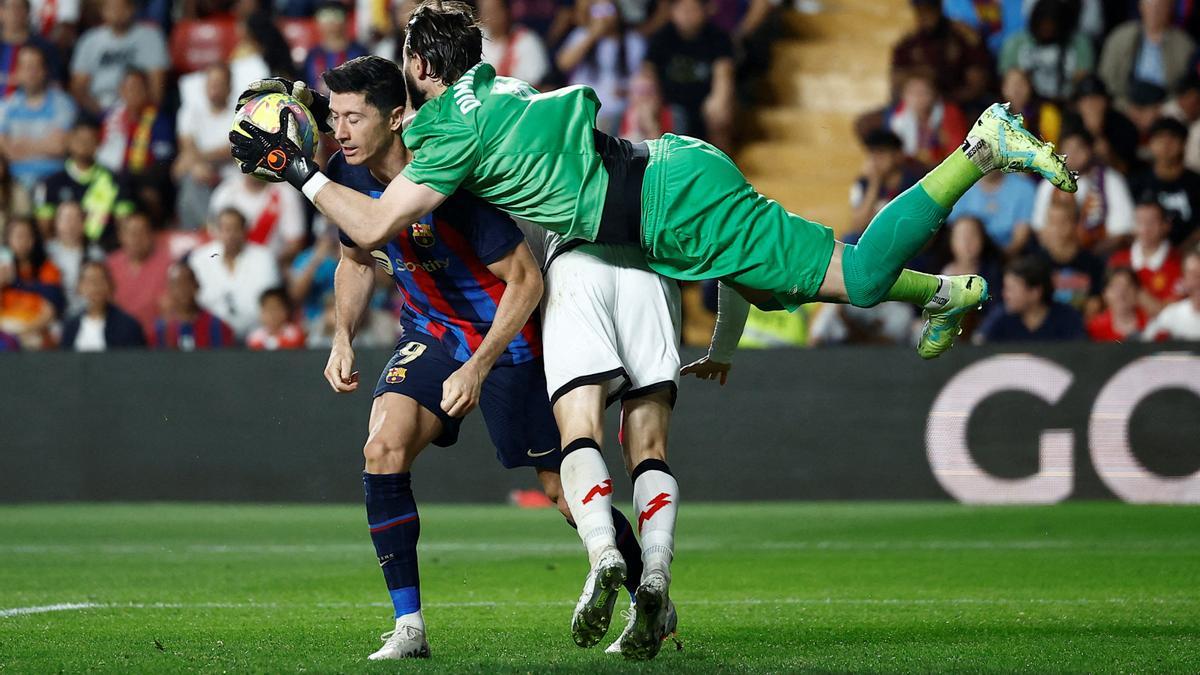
445 152
493 232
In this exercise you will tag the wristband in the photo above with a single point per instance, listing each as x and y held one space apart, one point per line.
313 185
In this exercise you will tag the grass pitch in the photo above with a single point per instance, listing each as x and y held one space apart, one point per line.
760 587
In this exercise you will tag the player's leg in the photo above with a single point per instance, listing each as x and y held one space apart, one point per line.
587 487
399 429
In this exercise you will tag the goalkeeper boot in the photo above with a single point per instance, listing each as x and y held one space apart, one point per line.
650 626
955 298
1000 141
405 642
599 598
670 629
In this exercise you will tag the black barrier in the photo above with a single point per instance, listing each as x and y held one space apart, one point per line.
979 425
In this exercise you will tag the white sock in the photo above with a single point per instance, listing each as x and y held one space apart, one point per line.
656 498
588 489
414 619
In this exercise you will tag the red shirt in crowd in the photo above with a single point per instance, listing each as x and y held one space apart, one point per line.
1161 279
289 337
1100 327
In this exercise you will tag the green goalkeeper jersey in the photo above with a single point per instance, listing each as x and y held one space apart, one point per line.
532 155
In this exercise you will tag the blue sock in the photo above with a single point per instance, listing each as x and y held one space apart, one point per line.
627 544
395 528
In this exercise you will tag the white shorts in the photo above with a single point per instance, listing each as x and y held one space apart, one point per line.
610 321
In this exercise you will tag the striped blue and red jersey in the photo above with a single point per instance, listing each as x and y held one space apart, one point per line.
440 264
203 333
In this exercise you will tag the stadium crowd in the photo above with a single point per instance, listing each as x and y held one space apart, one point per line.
1116 85
124 223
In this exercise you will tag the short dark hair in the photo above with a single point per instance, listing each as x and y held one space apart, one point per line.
280 294
1036 273
447 35
379 80
1150 198
883 139
1123 271
231 211
1078 132
1168 125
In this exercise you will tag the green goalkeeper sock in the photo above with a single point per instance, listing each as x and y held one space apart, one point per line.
915 287
871 268
951 179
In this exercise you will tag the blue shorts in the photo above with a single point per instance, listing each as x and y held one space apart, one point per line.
513 401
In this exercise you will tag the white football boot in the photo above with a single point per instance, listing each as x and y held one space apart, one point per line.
670 628
405 642
594 611
652 604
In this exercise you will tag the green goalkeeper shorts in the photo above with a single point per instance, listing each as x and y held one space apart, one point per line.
702 220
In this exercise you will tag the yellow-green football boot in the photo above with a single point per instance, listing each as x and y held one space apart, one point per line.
955 298
999 140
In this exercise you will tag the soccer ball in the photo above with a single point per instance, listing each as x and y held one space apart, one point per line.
263 112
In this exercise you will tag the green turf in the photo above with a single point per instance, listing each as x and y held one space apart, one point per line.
760 587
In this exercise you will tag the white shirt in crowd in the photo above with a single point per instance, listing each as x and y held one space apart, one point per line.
1118 203
521 55
90 337
232 295
208 128
271 203
1178 321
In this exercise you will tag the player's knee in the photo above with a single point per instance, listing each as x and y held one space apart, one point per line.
387 456
866 286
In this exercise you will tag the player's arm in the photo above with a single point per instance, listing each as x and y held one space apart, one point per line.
353 283
522 293
371 223
732 311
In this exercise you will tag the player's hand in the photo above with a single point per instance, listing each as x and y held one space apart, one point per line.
316 102
460 391
272 156
705 369
339 370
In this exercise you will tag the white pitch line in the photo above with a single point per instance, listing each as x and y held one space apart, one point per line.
684 602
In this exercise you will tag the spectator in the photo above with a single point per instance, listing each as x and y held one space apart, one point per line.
261 52
885 174
951 50
137 137
692 61
106 52
233 273
646 116
1186 109
993 20
1148 49
56 21
1158 266
101 326
1175 186
15 201
1144 106
1004 202
1029 313
274 212
1078 275
84 181
513 50
311 278
139 269
1103 196
16 37
183 326
1181 320
888 323
276 330
973 252
1122 318
69 250
602 53
24 315
378 329
1042 117
1116 139
203 147
929 125
550 19
334 46
33 268
35 121
1051 50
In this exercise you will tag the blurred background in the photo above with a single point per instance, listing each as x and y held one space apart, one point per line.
126 229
